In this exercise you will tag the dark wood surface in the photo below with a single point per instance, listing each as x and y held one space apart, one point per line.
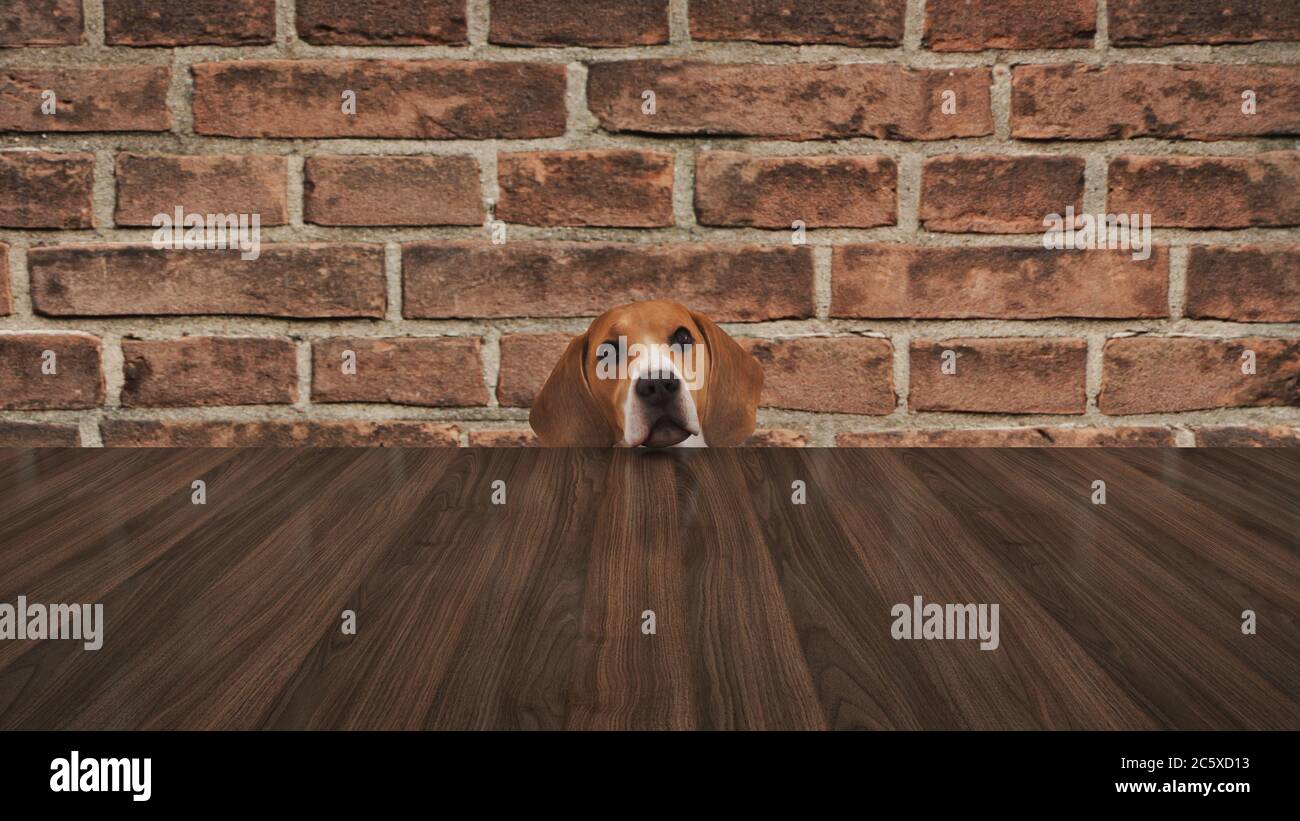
769 614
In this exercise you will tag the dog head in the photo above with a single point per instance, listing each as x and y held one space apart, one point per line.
652 374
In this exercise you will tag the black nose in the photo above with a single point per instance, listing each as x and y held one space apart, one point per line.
657 391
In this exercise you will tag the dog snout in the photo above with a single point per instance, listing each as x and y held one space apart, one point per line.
657 390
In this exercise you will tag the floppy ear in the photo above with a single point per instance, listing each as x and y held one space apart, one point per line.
731 393
565 414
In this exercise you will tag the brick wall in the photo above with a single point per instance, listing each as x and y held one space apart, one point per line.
923 223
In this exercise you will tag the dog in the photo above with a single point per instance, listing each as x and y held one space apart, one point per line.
649 374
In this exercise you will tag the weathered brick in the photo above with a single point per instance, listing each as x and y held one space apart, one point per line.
843 22
796 101
730 283
208 370
509 438
1172 22
6 296
1235 436
38 435
77 380
998 195
526 361
1137 437
432 371
306 281
42 23
1146 374
630 184
1209 192
777 438
1008 375
44 190
841 374
307 433
102 98
734 188
975 25
618 188
430 99
1195 101
191 23
595 23
351 190
208 184
910 282
382 22
1244 283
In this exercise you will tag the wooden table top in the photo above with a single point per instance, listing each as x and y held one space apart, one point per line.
767 613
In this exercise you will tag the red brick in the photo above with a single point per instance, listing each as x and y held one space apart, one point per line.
432 371
430 99
105 98
797 101
777 438
1145 374
38 435
910 282
42 23
1142 437
733 188
304 433
1171 22
382 22
975 25
596 23
843 22
511 438
6 298
1230 436
1011 375
350 190
1196 101
44 190
77 381
206 370
841 374
305 281
208 184
730 283
526 361
627 189
191 23
1209 192
1244 283
998 195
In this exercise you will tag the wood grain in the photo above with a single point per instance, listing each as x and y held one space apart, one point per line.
768 614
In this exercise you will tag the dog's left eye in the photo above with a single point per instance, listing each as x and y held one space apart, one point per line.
681 337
